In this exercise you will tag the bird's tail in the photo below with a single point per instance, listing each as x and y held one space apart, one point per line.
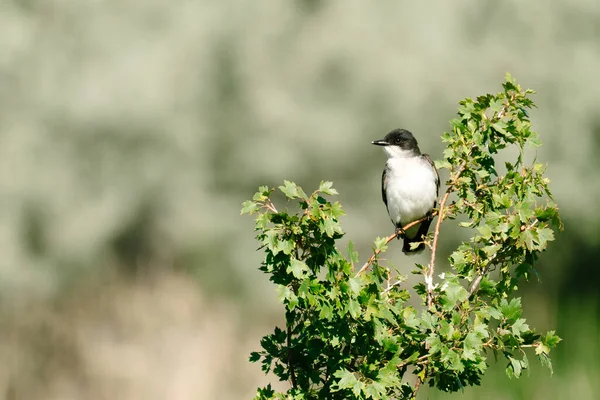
423 228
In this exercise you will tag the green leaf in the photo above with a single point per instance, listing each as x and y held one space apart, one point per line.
455 293
491 250
380 244
519 327
290 189
347 380
551 339
352 254
513 370
353 308
355 284
546 362
262 194
375 390
410 317
434 343
254 356
286 295
388 375
473 341
511 311
249 207
526 239
326 312
329 226
285 246
452 361
297 268
442 164
485 231
326 187
544 235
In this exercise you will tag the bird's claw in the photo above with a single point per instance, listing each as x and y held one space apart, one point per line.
399 232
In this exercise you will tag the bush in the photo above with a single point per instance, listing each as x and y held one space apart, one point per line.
350 332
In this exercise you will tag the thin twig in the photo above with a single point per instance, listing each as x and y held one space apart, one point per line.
436 234
393 285
476 282
417 387
389 239
269 205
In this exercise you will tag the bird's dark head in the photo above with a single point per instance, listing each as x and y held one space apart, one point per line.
399 142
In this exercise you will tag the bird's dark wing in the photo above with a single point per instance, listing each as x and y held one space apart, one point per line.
384 178
427 158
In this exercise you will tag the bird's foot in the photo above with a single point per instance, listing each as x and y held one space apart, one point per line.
399 232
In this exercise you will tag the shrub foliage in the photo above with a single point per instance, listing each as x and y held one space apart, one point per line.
351 333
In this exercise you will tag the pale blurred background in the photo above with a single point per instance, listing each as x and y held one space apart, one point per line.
131 131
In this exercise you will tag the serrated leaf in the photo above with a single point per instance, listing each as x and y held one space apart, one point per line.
551 339
254 356
546 362
519 327
326 187
511 311
544 235
442 164
346 380
249 207
352 254
285 246
286 295
380 244
485 231
353 307
262 194
455 293
329 226
473 341
452 361
410 317
326 313
434 343
355 284
375 390
491 250
526 240
290 189
297 268
514 368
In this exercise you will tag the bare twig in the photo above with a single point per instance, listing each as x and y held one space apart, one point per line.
476 282
417 387
389 239
436 233
269 205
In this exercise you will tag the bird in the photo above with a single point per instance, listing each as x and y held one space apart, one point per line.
409 187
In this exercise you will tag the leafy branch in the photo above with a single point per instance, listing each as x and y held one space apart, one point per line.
353 335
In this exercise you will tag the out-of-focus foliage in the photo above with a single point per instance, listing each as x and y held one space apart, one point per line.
126 129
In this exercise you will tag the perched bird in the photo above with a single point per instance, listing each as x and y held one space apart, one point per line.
409 186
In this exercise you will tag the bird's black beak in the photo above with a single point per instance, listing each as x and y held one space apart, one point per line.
380 142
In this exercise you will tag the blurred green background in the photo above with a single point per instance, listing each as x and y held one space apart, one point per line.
131 131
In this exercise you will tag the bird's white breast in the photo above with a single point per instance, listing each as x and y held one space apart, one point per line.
411 189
